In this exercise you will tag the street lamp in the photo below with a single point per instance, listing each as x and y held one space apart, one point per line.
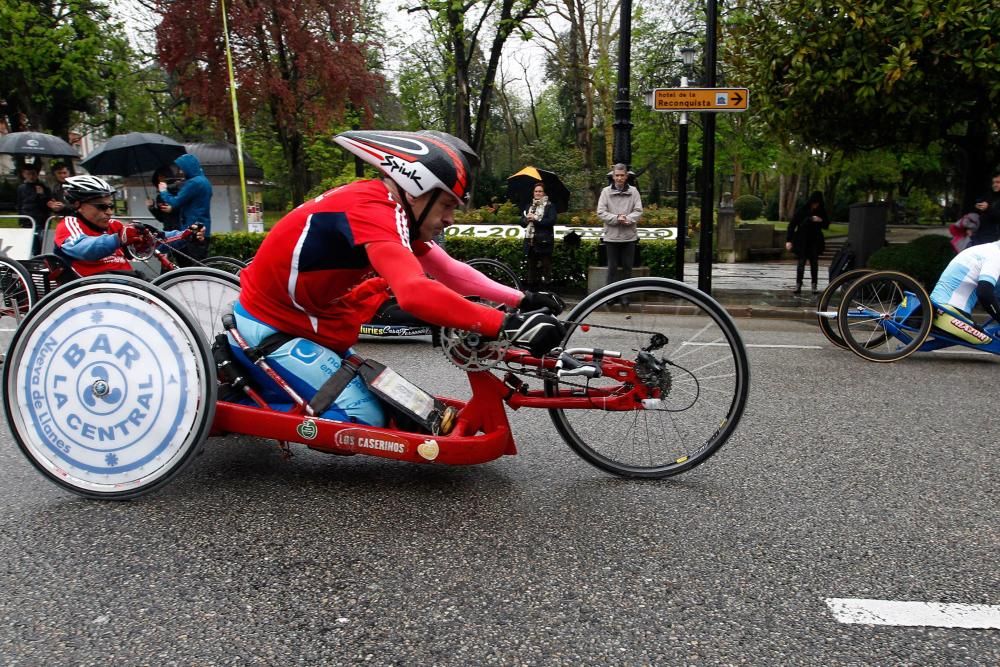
687 57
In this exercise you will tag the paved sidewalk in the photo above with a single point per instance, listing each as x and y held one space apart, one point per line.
764 289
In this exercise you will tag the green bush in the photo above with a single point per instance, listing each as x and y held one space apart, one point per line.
241 245
924 258
748 207
569 266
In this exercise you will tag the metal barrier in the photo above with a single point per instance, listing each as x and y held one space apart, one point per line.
14 247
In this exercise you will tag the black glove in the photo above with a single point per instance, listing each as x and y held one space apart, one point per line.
538 333
538 300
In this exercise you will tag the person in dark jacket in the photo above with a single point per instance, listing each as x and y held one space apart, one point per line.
805 238
193 203
32 201
160 209
988 208
539 221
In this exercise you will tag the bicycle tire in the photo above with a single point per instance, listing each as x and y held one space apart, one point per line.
877 321
829 302
496 270
206 293
111 389
222 263
17 297
704 384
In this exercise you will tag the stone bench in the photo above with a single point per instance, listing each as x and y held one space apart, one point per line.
597 276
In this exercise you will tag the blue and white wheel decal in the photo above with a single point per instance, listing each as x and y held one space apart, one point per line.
108 391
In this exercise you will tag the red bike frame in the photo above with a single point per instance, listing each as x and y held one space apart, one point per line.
482 432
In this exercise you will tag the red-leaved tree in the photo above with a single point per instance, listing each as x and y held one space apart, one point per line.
297 64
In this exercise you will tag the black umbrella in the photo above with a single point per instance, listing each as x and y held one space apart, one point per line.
132 153
521 187
36 143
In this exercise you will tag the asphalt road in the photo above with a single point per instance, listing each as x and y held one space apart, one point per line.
846 479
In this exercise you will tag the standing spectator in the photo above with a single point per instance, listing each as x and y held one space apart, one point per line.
988 208
160 209
620 208
539 238
32 198
805 238
58 204
192 202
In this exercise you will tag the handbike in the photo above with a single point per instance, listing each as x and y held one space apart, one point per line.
886 316
112 389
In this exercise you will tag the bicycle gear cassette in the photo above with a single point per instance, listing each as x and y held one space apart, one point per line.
470 351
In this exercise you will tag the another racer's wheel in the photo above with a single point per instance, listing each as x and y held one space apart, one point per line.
885 316
496 270
110 388
829 303
17 296
227 264
206 293
687 354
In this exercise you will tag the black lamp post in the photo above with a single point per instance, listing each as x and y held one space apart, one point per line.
622 150
708 157
687 56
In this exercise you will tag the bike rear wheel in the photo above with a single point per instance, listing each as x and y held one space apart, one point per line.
885 316
829 304
110 388
227 264
699 370
206 293
496 270
17 297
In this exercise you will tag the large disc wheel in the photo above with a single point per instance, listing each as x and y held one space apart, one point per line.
17 296
829 303
885 316
682 351
206 293
109 388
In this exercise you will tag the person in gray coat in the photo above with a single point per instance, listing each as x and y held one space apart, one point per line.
620 208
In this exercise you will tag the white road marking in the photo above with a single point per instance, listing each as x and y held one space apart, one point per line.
894 612
791 347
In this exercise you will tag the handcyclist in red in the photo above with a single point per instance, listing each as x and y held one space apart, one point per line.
91 240
327 266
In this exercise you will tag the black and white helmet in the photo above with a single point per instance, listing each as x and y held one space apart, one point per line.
418 162
85 188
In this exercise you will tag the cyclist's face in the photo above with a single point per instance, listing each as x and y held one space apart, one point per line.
996 184
441 215
97 211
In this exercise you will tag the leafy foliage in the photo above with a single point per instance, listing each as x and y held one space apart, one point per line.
924 258
838 73
58 57
297 64
748 207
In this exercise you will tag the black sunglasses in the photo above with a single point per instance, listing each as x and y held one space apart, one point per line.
103 207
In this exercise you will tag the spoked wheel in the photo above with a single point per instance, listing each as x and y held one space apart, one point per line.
17 296
496 270
206 293
689 359
829 303
227 264
110 387
885 316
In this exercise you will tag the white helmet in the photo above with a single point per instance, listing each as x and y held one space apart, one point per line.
85 188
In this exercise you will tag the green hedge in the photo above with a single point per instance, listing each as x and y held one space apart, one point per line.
924 258
569 266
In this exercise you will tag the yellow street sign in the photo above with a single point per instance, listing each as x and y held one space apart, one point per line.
701 99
